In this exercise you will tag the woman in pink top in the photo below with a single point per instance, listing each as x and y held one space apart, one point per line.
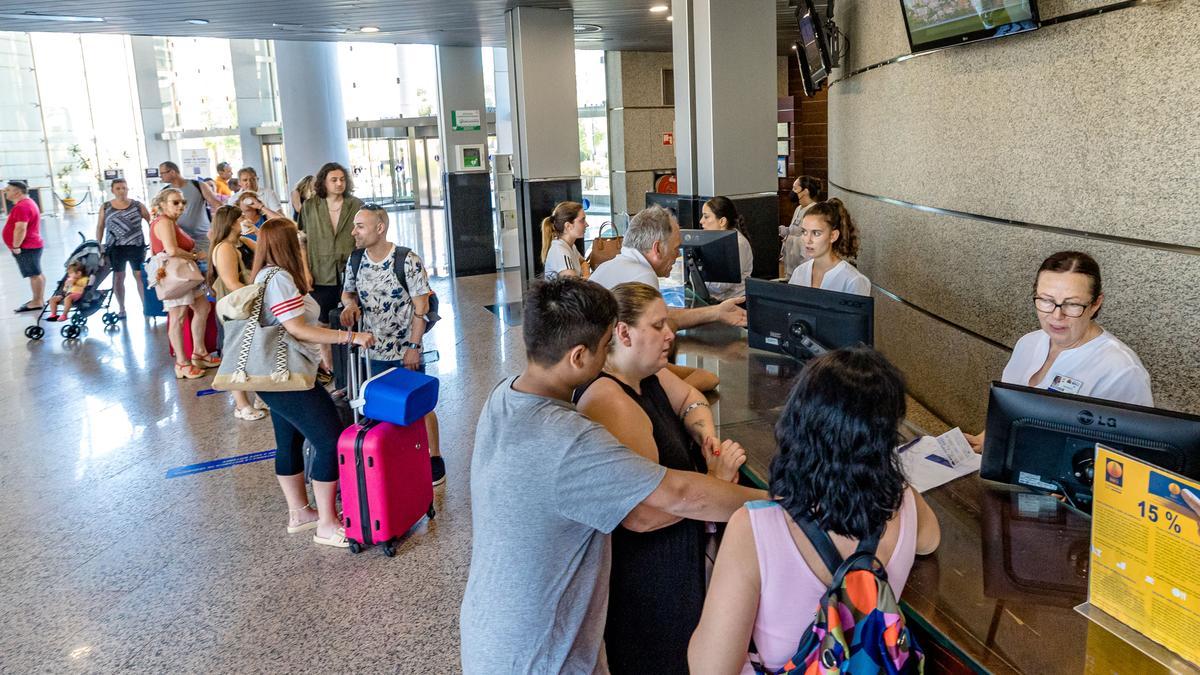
836 465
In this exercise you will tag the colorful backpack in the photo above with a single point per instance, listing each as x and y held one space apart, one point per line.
859 627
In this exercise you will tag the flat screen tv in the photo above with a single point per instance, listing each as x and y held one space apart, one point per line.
812 50
933 24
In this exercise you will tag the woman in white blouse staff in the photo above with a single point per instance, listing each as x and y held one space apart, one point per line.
808 191
560 230
719 213
1071 353
830 242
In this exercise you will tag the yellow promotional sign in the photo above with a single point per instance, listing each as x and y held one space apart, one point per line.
1146 550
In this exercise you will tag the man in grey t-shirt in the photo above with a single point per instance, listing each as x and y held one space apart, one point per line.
548 486
196 193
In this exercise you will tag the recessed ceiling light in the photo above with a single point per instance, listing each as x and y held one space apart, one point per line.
586 28
369 29
54 17
198 22
659 9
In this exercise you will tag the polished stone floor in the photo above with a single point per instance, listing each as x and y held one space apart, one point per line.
108 565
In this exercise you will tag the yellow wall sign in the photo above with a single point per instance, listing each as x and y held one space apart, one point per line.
1146 551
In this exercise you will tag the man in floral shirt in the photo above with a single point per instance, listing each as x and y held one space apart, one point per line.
374 293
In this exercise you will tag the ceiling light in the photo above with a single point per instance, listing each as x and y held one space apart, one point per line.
198 22
659 9
307 29
581 28
53 17
369 29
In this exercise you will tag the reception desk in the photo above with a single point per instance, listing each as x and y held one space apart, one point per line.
999 593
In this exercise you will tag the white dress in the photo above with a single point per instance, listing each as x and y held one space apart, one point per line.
843 278
724 291
1103 368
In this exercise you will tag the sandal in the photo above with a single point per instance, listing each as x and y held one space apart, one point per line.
338 540
293 529
259 404
206 361
188 372
249 414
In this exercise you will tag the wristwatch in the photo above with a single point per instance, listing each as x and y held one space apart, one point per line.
412 345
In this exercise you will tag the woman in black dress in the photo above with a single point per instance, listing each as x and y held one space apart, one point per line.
656 591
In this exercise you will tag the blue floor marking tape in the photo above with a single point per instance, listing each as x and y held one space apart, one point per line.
223 463
206 392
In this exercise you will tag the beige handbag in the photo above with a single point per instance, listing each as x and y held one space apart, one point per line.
173 277
605 248
238 305
267 358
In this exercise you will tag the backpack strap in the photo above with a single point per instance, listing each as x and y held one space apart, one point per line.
821 542
356 258
399 256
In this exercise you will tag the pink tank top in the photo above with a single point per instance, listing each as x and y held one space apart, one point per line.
788 584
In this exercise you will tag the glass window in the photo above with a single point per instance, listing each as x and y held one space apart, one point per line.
591 95
22 154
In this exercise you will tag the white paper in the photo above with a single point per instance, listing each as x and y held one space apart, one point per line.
926 465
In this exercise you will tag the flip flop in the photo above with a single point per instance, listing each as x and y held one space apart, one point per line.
26 308
249 414
338 540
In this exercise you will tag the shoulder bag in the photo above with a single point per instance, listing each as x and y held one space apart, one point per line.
267 358
172 277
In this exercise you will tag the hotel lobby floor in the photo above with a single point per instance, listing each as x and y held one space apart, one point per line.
109 565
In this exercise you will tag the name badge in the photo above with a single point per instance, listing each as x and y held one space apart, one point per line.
1065 384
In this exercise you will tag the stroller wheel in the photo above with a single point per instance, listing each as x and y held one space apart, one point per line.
70 331
110 318
35 332
78 319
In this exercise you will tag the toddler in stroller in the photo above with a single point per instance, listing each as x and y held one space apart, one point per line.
71 292
79 300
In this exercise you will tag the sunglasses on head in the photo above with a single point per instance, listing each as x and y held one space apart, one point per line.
372 206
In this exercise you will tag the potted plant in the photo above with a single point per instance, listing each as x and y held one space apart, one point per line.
79 162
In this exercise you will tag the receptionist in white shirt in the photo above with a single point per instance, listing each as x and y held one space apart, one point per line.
830 242
1071 353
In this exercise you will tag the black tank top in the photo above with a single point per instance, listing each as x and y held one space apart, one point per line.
656 589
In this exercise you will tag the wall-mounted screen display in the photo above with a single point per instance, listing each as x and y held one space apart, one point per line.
941 23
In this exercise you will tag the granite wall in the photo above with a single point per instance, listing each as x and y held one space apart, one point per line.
965 167
637 119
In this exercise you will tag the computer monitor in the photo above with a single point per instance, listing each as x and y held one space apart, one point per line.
804 322
1046 440
710 255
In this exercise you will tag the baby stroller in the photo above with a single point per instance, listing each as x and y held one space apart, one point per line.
87 254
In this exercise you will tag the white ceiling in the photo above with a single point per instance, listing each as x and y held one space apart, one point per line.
624 24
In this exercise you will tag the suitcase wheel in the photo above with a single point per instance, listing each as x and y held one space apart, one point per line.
389 550
355 547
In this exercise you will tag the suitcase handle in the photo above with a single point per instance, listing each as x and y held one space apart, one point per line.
356 359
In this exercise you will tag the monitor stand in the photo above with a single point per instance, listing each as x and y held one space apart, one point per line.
693 274
802 346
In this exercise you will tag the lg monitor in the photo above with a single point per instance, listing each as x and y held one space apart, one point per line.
804 322
1046 440
933 24
710 256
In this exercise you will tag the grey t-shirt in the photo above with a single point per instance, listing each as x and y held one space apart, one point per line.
194 220
548 485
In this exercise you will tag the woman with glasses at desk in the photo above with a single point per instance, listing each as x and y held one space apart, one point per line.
1071 353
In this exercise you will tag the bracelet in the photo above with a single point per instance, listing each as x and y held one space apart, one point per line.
690 408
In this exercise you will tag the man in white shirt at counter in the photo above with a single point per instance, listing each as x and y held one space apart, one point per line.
648 252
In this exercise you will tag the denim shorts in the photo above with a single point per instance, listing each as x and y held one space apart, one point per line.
29 261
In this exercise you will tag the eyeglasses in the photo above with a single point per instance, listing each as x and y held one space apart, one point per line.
1071 309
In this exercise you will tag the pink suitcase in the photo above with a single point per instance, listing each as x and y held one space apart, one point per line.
385 480
384 476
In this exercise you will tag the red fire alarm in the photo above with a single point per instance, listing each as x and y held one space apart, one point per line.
668 138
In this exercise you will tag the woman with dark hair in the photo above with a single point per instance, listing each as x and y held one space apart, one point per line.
560 230
302 193
719 213
1070 352
830 242
228 272
808 191
837 469
301 415
657 581
328 218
